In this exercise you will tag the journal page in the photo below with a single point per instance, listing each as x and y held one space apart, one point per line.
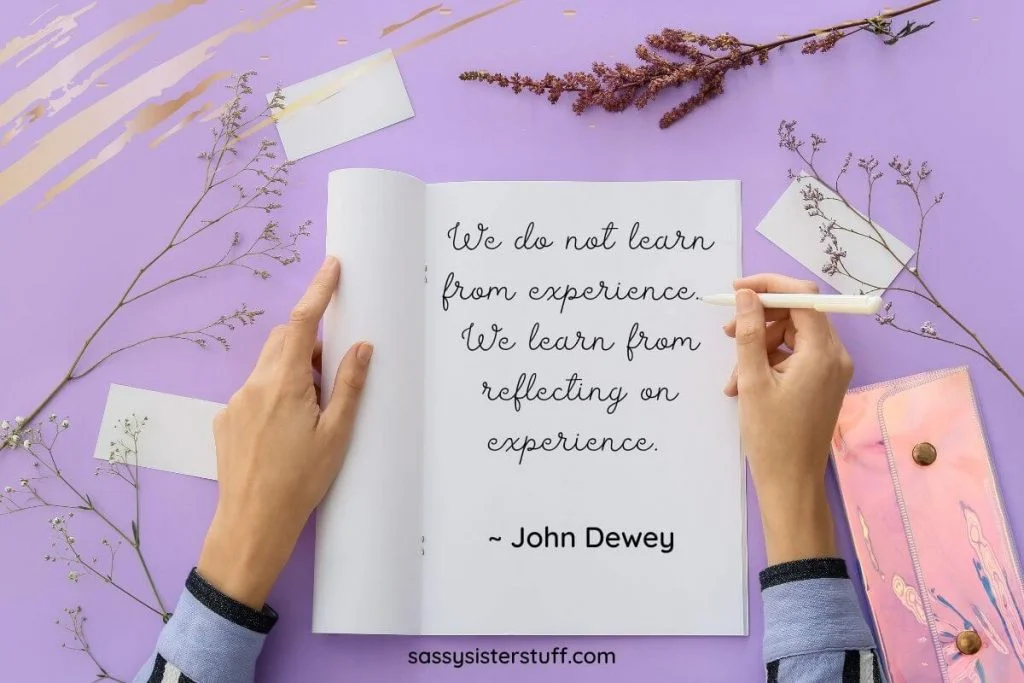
367 576
583 472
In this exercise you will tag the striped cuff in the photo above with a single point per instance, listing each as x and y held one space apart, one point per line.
810 607
211 638
229 608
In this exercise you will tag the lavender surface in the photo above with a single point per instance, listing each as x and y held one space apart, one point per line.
950 94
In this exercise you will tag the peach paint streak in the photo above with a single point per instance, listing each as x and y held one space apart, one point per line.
148 118
176 128
53 43
66 70
45 12
215 113
55 30
70 93
419 15
31 116
72 135
335 86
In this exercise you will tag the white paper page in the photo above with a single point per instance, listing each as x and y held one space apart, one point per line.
179 431
370 96
367 575
790 228
688 494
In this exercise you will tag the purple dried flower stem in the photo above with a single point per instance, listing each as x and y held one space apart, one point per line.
912 265
614 88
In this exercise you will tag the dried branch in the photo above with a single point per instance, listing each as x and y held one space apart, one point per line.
122 463
74 623
706 61
266 178
907 176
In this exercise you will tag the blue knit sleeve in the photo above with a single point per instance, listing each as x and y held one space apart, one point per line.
210 638
814 631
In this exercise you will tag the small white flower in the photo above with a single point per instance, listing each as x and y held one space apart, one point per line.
64 424
73 576
19 420
4 425
71 540
8 489
27 444
13 439
55 522
23 482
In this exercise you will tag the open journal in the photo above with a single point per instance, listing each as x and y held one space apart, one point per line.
543 446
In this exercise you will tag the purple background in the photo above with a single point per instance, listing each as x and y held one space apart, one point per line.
950 94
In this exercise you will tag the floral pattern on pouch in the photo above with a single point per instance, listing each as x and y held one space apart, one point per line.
938 528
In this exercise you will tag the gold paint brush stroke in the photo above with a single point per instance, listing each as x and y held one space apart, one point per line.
31 116
45 12
177 128
215 113
72 135
334 87
70 93
419 15
57 28
66 70
148 118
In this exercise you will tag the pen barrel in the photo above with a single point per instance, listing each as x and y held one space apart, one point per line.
867 305
826 303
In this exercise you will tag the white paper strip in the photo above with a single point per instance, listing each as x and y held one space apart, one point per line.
371 96
178 436
795 232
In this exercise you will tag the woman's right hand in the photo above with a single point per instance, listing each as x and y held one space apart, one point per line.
791 375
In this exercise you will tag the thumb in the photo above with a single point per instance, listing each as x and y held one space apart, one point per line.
339 415
751 355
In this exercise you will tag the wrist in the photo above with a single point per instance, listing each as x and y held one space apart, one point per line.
797 523
243 560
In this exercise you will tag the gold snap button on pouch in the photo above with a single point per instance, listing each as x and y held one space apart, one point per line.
924 454
968 642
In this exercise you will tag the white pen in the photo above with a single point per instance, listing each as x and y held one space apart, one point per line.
826 303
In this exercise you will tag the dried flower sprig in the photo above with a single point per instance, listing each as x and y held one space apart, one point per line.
833 234
257 186
38 442
73 622
705 62
33 492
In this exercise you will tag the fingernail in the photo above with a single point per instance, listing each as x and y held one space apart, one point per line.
745 301
328 262
364 353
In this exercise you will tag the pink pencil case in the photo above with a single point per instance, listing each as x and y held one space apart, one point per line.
937 557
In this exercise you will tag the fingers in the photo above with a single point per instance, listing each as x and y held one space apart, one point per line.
318 357
775 359
771 282
271 348
770 315
305 317
779 333
811 326
751 356
340 413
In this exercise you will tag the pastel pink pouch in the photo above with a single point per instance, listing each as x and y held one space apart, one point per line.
937 557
